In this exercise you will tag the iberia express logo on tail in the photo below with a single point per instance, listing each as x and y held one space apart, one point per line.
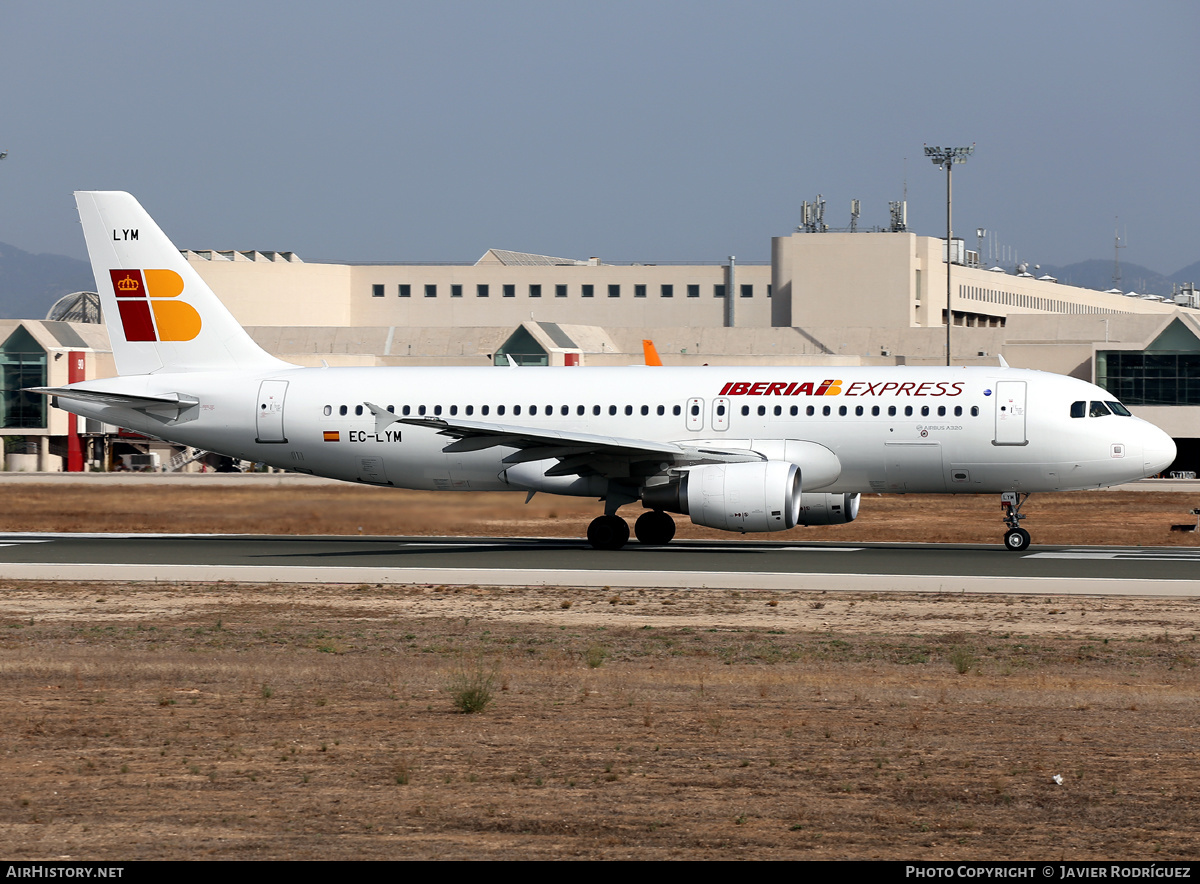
148 313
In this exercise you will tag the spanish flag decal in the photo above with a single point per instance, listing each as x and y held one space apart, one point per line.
142 294
333 436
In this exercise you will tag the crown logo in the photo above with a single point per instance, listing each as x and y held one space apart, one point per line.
150 307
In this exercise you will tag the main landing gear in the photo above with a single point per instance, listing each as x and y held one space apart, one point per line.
653 528
608 532
1016 538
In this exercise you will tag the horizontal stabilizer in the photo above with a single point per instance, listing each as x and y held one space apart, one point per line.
166 405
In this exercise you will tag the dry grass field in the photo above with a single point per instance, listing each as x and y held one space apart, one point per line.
322 722
1085 517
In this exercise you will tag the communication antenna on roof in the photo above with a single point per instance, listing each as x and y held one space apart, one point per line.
812 216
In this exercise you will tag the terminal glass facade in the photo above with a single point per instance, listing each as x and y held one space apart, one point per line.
1146 378
22 364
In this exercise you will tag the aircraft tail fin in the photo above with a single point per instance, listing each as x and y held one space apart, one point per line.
650 353
161 316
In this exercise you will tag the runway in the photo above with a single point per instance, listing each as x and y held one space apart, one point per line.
1142 571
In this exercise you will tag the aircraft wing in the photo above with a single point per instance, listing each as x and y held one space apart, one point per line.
579 453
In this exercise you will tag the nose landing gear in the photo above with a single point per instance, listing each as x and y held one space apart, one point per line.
1016 538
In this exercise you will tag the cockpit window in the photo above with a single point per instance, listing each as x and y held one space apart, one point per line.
1099 409
1118 408
1078 409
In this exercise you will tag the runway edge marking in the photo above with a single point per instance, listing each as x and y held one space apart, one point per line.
1002 585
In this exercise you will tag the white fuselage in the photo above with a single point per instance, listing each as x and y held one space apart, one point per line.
949 430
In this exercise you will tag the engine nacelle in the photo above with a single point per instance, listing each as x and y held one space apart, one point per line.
758 496
828 509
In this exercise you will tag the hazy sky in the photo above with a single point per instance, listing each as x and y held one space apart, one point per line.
671 131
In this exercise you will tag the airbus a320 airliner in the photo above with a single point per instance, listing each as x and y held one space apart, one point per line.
750 449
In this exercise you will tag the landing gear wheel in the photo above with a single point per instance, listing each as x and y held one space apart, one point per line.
654 528
608 532
1017 539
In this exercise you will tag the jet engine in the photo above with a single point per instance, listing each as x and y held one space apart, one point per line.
758 496
828 509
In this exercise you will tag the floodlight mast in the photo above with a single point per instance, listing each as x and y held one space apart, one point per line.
948 156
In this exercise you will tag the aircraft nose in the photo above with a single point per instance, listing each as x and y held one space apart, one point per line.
1158 451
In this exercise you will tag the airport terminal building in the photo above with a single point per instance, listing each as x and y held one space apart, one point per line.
829 298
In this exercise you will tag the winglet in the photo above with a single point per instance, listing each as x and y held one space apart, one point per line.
383 417
650 354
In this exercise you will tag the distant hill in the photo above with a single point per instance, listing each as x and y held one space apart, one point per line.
1191 273
30 284
1098 274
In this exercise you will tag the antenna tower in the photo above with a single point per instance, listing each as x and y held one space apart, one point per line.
1117 246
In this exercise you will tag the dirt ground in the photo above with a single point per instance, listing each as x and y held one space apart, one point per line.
173 721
